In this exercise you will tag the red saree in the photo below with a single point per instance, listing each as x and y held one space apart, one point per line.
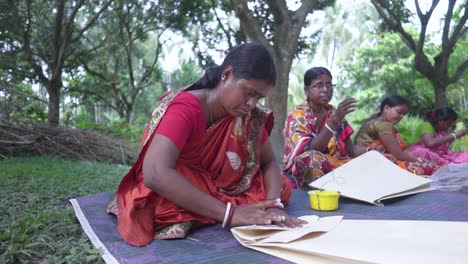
224 162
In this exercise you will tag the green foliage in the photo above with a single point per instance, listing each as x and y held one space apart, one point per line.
37 224
19 103
395 8
187 73
114 127
385 69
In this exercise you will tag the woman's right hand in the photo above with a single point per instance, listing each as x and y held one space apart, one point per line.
256 214
461 133
347 106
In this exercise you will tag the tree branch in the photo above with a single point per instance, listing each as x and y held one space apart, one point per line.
91 71
459 31
394 23
279 9
424 18
6 87
26 44
249 23
220 23
148 72
459 72
448 18
303 11
92 20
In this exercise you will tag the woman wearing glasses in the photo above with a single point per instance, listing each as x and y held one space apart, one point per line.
317 136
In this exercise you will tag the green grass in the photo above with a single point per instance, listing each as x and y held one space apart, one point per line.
37 222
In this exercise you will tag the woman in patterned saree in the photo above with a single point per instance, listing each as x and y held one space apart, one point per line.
436 135
317 136
207 157
379 133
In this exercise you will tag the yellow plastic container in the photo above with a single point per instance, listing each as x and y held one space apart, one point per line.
326 200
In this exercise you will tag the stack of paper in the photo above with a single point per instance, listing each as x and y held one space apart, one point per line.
364 241
372 178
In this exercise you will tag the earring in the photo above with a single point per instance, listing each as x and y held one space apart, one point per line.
223 77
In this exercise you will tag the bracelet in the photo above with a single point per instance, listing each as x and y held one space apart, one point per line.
231 214
329 129
226 214
276 206
454 135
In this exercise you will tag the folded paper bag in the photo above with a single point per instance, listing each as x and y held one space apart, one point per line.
260 234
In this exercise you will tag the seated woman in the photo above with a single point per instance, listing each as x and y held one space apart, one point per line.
317 136
379 133
207 157
436 136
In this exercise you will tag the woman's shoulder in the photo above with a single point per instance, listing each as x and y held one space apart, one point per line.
188 100
381 123
300 108
377 125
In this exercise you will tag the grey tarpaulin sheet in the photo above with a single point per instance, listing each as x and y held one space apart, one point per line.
215 245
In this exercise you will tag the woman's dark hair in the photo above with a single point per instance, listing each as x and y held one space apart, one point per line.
313 73
392 100
441 114
248 61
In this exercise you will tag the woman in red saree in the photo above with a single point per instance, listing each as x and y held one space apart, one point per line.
206 157
317 136
379 133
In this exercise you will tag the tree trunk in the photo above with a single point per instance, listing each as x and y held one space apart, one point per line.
287 28
440 94
54 103
277 102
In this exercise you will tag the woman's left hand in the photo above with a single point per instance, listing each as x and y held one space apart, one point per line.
284 219
347 106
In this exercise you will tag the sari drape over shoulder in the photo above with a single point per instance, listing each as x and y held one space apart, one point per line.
300 163
224 163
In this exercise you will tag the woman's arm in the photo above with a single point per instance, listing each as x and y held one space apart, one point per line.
271 171
159 174
320 142
352 149
272 179
432 141
392 146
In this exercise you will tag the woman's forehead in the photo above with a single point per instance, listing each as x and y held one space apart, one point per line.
322 77
260 86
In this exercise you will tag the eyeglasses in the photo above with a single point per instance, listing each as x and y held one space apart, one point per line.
320 86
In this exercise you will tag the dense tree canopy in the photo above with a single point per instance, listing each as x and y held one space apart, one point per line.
62 61
435 68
